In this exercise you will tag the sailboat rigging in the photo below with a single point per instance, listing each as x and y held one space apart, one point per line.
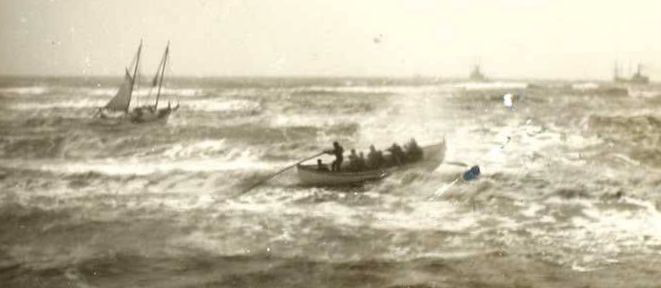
122 99
119 105
162 67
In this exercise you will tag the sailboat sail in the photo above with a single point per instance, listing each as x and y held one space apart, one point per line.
164 62
154 82
149 113
122 99
121 102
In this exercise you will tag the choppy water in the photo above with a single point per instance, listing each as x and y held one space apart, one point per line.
569 197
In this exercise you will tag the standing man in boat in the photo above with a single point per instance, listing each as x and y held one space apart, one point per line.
338 151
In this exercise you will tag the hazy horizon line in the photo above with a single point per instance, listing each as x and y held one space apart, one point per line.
302 76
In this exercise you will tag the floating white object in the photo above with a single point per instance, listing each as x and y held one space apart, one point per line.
507 100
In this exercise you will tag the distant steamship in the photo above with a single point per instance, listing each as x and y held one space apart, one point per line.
476 74
636 78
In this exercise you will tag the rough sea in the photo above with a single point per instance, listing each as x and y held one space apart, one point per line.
569 195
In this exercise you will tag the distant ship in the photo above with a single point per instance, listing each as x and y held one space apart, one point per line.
119 106
476 74
636 78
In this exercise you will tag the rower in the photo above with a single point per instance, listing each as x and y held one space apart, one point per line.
398 156
361 165
354 161
413 151
338 151
374 158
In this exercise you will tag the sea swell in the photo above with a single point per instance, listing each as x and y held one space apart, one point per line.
568 195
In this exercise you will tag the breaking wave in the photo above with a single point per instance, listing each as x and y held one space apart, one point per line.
568 188
32 90
223 105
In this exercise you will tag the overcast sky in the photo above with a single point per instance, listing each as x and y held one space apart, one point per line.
510 38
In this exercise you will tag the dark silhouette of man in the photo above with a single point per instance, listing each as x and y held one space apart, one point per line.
338 151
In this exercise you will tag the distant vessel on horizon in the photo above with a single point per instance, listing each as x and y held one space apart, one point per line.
119 106
636 78
476 74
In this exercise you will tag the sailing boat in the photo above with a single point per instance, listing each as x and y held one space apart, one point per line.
119 105
148 113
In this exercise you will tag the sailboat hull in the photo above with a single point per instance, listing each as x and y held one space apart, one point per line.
108 114
118 107
150 114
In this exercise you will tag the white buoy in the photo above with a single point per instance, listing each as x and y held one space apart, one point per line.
507 100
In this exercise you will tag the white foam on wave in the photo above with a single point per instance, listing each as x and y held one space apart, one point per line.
43 105
183 92
625 227
423 215
519 145
205 149
135 167
427 216
232 161
644 94
596 236
380 89
283 203
223 105
281 120
110 91
489 85
603 234
29 90
419 116
143 91
585 86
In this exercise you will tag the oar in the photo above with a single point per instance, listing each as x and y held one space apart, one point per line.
280 172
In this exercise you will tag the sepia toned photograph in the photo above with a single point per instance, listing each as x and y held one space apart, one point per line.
330 143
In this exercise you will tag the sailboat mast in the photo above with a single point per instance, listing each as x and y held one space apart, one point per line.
160 82
616 72
135 73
